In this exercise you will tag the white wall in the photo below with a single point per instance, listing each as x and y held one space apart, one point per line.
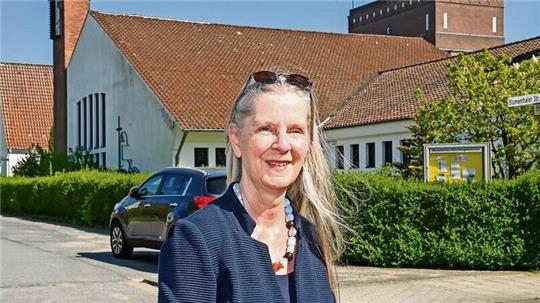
378 133
3 150
211 140
97 66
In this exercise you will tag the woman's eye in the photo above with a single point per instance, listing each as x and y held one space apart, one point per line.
265 129
297 131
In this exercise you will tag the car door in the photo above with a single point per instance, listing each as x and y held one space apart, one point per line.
171 195
139 219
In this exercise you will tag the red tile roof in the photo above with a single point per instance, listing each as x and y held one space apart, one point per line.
26 104
196 69
392 94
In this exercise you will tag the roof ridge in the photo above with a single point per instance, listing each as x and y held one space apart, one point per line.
24 63
455 56
255 27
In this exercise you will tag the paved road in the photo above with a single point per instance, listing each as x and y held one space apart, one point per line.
44 262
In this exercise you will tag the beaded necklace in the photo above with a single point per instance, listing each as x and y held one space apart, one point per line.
291 240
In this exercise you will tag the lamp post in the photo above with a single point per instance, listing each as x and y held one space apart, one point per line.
122 141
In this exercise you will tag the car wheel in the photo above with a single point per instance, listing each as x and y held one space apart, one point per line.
119 246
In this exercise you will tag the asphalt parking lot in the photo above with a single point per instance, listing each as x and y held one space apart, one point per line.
47 262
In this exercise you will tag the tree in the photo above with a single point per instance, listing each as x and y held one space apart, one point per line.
477 112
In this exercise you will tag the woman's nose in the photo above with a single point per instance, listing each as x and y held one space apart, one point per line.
282 143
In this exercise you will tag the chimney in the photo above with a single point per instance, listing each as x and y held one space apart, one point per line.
66 20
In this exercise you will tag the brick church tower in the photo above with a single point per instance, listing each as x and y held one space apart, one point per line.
451 25
66 20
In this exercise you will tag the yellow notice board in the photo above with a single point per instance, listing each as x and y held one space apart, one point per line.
457 162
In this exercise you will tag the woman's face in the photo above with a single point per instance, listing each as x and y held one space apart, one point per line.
273 142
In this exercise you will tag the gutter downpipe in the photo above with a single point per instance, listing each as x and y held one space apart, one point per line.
177 156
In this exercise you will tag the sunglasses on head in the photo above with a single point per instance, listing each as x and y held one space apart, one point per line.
269 77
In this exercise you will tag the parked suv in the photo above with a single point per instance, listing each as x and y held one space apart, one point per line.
146 216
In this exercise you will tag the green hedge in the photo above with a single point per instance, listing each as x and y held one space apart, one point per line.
395 222
85 197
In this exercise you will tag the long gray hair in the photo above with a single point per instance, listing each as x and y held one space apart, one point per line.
312 192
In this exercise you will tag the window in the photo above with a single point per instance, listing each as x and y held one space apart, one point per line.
388 30
339 157
374 14
220 156
84 122
445 20
360 18
150 187
402 4
427 22
353 20
380 12
388 9
395 7
96 160
405 158
103 159
410 2
201 157
91 120
370 155
96 100
494 24
387 149
174 185
216 185
367 16
79 124
355 156
103 119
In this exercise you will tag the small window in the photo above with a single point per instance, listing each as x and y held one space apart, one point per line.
370 155
96 100
91 120
339 157
494 24
427 22
174 185
410 2
388 30
445 20
387 148
405 158
355 156
395 7
104 160
380 12
388 9
353 20
220 156
367 16
103 120
360 18
85 112
96 160
402 4
79 123
374 14
151 186
201 157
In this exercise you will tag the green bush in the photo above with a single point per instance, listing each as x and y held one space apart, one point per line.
395 222
85 197
392 221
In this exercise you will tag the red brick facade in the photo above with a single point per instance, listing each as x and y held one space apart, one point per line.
73 16
452 25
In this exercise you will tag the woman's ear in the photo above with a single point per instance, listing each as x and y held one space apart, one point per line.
234 139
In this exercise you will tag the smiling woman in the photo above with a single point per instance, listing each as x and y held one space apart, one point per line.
273 235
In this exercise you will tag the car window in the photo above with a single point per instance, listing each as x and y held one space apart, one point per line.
216 185
174 185
151 185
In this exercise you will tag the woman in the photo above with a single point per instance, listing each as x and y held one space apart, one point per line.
269 237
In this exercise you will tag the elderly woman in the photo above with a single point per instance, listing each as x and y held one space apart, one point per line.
270 237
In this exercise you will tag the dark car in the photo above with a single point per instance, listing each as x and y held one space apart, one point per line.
146 217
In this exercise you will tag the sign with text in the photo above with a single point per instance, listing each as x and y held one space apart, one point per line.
447 163
524 100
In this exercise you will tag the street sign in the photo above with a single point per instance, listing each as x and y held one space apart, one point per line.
524 100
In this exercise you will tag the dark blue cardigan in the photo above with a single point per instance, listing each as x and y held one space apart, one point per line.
212 258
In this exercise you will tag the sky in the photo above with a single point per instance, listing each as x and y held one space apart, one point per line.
24 24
